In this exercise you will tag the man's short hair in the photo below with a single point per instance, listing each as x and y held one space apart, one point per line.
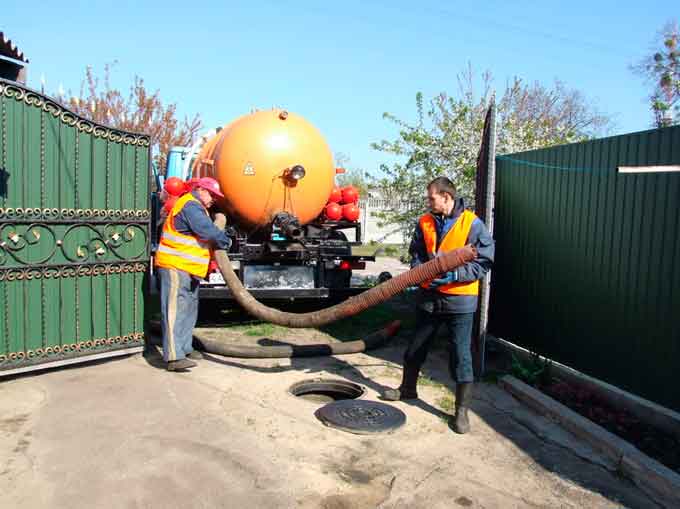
443 185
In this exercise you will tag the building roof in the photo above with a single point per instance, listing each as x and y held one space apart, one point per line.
10 50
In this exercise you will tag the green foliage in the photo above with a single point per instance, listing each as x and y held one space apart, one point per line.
391 251
533 372
368 282
446 137
662 70
353 176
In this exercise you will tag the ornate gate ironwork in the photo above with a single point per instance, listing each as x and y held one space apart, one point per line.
74 230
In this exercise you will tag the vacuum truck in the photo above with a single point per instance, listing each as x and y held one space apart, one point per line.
288 219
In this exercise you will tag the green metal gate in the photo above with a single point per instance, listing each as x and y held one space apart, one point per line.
74 225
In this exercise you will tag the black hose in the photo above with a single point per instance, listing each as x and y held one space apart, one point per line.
373 340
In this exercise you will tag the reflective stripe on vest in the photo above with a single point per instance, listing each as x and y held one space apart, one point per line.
190 241
456 237
180 251
181 254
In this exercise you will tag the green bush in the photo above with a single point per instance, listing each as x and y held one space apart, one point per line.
533 371
391 251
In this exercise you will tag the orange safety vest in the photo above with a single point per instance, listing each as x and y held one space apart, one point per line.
180 251
456 237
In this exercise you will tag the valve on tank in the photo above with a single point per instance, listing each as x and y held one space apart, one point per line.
288 224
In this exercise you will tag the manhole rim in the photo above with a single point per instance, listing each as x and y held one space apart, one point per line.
321 380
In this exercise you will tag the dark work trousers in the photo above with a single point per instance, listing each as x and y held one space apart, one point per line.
179 309
460 330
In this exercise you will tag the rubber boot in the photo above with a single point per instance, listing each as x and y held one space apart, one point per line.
407 389
461 424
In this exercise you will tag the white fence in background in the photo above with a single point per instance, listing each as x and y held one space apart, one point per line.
370 229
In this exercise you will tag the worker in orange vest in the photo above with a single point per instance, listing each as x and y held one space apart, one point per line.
182 260
450 299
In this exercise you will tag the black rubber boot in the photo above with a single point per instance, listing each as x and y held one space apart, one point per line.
461 424
407 389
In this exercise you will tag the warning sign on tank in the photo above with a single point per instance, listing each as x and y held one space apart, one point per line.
249 169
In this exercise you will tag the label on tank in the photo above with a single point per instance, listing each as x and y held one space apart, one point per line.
249 169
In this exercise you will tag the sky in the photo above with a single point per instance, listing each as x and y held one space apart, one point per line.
341 65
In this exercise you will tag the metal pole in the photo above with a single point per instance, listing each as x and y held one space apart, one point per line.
487 213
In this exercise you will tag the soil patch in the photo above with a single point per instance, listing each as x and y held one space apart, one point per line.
655 443
652 441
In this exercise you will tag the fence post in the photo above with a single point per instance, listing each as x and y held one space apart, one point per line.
484 208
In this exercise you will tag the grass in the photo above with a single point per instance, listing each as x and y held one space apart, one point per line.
364 323
254 328
261 329
351 328
380 249
426 381
446 403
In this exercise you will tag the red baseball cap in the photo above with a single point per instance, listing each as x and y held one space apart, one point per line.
211 185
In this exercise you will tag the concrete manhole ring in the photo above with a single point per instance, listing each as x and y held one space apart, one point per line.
325 390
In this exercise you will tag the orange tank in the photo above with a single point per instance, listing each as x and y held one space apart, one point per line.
269 162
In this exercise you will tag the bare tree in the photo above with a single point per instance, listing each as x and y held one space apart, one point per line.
662 70
140 110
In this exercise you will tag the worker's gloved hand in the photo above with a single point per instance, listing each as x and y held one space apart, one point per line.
230 231
449 277
220 220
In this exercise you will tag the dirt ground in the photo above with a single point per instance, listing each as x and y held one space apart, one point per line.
126 433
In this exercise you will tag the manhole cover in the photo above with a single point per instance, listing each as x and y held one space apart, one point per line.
361 417
322 390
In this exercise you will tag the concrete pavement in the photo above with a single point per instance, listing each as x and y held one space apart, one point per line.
124 433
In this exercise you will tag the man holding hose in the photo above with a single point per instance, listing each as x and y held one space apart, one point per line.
452 298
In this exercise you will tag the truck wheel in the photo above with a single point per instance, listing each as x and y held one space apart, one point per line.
338 278
384 276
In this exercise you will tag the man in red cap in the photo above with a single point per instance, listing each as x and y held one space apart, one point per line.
182 260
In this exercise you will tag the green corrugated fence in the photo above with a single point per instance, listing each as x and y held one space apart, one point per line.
587 263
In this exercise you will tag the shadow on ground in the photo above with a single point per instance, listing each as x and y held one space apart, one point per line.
551 456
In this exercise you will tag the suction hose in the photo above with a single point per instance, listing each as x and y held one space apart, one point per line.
429 270
353 305
373 340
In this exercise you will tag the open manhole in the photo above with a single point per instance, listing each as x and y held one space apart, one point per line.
322 390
